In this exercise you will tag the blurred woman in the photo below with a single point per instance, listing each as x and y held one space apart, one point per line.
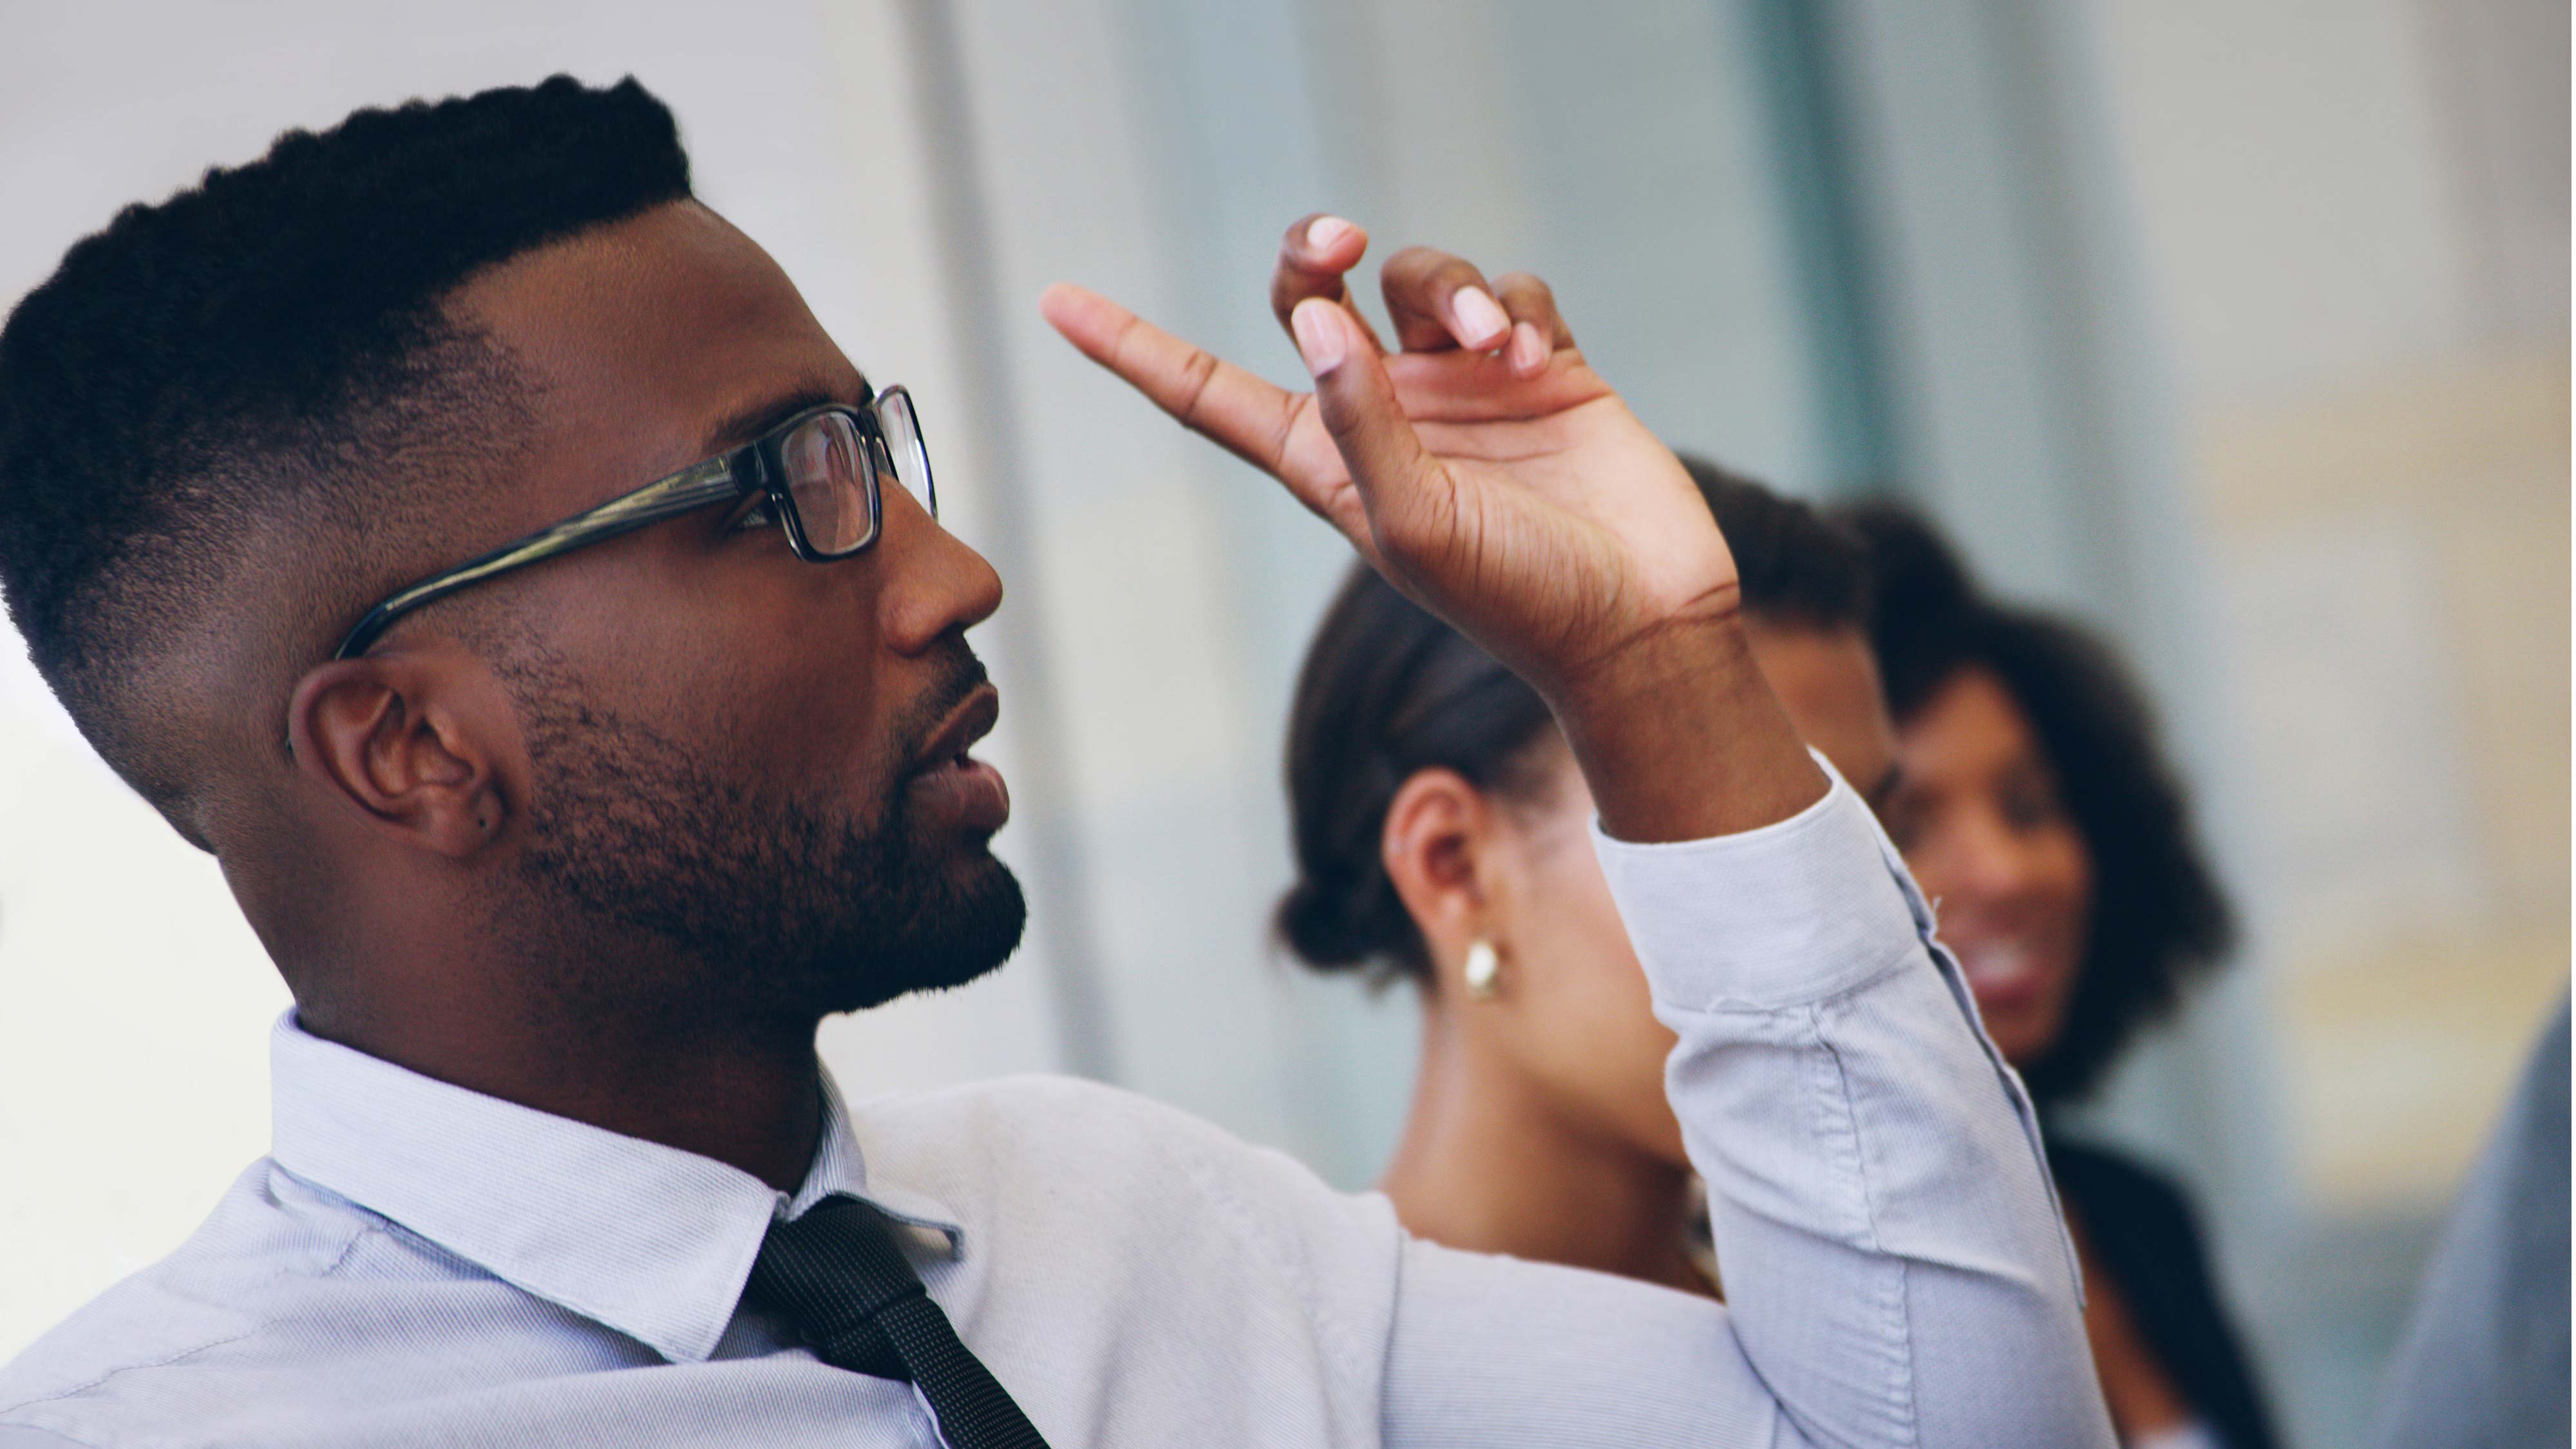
2034 806
1442 837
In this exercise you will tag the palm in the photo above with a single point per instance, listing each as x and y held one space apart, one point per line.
1550 515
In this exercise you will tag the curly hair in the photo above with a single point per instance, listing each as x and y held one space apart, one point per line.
268 347
2159 918
1387 690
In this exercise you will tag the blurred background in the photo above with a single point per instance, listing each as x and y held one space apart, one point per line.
2238 329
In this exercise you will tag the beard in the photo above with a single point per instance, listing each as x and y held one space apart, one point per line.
767 906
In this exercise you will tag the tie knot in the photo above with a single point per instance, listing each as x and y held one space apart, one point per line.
830 1273
839 1276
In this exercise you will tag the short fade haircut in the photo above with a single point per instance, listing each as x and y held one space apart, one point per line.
2160 919
270 345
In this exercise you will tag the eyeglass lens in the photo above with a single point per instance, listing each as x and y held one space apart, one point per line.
823 458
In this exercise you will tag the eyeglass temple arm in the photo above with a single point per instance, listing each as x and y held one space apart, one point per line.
683 492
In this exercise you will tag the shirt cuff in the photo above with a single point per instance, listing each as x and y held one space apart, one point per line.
1798 911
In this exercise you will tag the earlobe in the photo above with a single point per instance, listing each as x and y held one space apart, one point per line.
391 739
488 813
1482 970
1437 850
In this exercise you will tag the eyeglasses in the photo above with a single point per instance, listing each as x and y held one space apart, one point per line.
819 472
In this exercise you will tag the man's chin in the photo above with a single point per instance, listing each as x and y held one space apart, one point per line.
971 927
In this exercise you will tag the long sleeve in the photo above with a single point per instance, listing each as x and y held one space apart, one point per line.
1896 1269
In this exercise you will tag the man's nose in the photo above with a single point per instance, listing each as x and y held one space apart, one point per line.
935 583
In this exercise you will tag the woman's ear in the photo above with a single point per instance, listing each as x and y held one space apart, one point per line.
1438 849
405 738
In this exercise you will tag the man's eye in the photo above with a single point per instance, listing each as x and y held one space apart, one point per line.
758 515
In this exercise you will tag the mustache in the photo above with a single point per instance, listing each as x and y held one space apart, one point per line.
961 673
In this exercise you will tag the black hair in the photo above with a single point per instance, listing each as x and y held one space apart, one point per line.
2159 917
1387 690
269 345
1797 565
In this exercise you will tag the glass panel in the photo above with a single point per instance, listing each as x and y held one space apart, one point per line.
822 458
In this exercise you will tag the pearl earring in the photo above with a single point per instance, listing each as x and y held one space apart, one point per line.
1484 968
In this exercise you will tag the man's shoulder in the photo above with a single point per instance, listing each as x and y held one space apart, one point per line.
1071 1190
1103 1152
148 1321
1042 1122
208 1294
1032 1102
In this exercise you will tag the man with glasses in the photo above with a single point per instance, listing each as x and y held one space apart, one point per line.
474 543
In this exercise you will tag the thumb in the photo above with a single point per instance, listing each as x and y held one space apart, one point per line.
1400 484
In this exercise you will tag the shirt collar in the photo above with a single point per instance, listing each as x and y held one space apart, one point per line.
649 1240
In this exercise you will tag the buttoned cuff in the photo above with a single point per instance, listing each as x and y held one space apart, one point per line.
1798 911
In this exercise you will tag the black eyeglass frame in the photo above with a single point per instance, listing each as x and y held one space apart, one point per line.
756 467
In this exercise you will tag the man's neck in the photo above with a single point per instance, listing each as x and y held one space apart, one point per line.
749 1098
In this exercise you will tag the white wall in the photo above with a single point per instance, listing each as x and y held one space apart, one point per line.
2352 225
2355 221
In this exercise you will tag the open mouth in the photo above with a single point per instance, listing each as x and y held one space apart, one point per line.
972 719
2002 972
950 783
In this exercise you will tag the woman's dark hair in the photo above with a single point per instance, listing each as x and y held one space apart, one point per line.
1388 690
2159 918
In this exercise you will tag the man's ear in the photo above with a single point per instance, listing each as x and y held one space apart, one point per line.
1438 850
412 740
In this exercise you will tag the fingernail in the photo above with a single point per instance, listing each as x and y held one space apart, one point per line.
1319 335
1529 350
1325 233
1478 314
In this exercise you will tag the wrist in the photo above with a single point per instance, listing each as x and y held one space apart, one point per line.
1680 738
1689 655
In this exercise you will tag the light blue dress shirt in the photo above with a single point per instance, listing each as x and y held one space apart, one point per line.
417 1264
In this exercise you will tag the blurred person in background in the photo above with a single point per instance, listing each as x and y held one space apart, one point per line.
2035 807
2484 1364
1441 839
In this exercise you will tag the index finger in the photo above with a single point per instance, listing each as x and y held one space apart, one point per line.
1244 414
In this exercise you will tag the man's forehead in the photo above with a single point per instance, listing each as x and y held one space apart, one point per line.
644 339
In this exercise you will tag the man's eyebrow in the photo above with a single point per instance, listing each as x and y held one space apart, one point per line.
746 423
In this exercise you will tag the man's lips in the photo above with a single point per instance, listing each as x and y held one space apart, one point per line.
947 782
972 719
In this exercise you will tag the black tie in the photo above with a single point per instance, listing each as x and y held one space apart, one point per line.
838 1276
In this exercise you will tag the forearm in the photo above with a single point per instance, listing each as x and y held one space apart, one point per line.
1895 1267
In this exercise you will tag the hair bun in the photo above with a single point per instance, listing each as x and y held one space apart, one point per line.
1323 926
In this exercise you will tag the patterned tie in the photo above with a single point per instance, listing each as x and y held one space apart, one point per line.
838 1276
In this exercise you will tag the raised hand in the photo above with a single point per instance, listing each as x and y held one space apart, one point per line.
1491 474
